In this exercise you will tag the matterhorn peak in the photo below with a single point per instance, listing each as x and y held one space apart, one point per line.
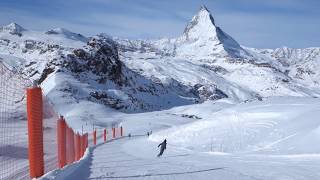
202 34
202 21
204 7
205 13
13 28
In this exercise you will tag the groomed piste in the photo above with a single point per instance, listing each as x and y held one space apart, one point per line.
271 139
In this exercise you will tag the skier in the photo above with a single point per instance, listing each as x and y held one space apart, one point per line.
163 147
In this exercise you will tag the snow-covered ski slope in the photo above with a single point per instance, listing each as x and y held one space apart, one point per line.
272 139
116 161
275 126
201 91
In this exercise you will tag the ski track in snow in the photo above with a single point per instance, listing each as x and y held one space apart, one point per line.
110 162
275 139
114 161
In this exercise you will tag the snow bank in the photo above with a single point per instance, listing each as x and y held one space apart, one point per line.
65 172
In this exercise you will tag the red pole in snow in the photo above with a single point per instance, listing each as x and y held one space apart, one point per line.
35 132
113 133
61 142
77 146
94 137
105 135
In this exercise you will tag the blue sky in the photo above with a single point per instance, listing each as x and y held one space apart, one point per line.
253 23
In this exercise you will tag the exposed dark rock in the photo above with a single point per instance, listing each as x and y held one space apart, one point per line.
217 69
209 92
191 116
46 72
80 53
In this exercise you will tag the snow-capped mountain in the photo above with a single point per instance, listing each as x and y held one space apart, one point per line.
299 64
202 32
207 55
204 63
67 34
13 29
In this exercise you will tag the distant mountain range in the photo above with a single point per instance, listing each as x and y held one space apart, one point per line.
204 63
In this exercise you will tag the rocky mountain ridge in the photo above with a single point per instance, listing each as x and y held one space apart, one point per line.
204 63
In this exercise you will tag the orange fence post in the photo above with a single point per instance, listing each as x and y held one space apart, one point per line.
85 141
105 135
113 133
61 142
84 146
94 137
77 146
70 145
35 132
81 145
67 145
73 151
121 131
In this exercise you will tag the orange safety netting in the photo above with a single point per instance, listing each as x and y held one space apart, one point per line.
49 126
34 138
13 125
71 145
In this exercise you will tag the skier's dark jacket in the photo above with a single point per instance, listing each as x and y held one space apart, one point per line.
163 145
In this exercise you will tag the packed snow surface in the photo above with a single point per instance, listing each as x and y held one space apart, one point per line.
274 126
271 139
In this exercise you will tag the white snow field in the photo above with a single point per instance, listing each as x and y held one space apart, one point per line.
200 91
276 138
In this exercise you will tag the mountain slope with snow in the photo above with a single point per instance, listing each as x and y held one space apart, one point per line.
204 63
202 32
300 64
206 49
